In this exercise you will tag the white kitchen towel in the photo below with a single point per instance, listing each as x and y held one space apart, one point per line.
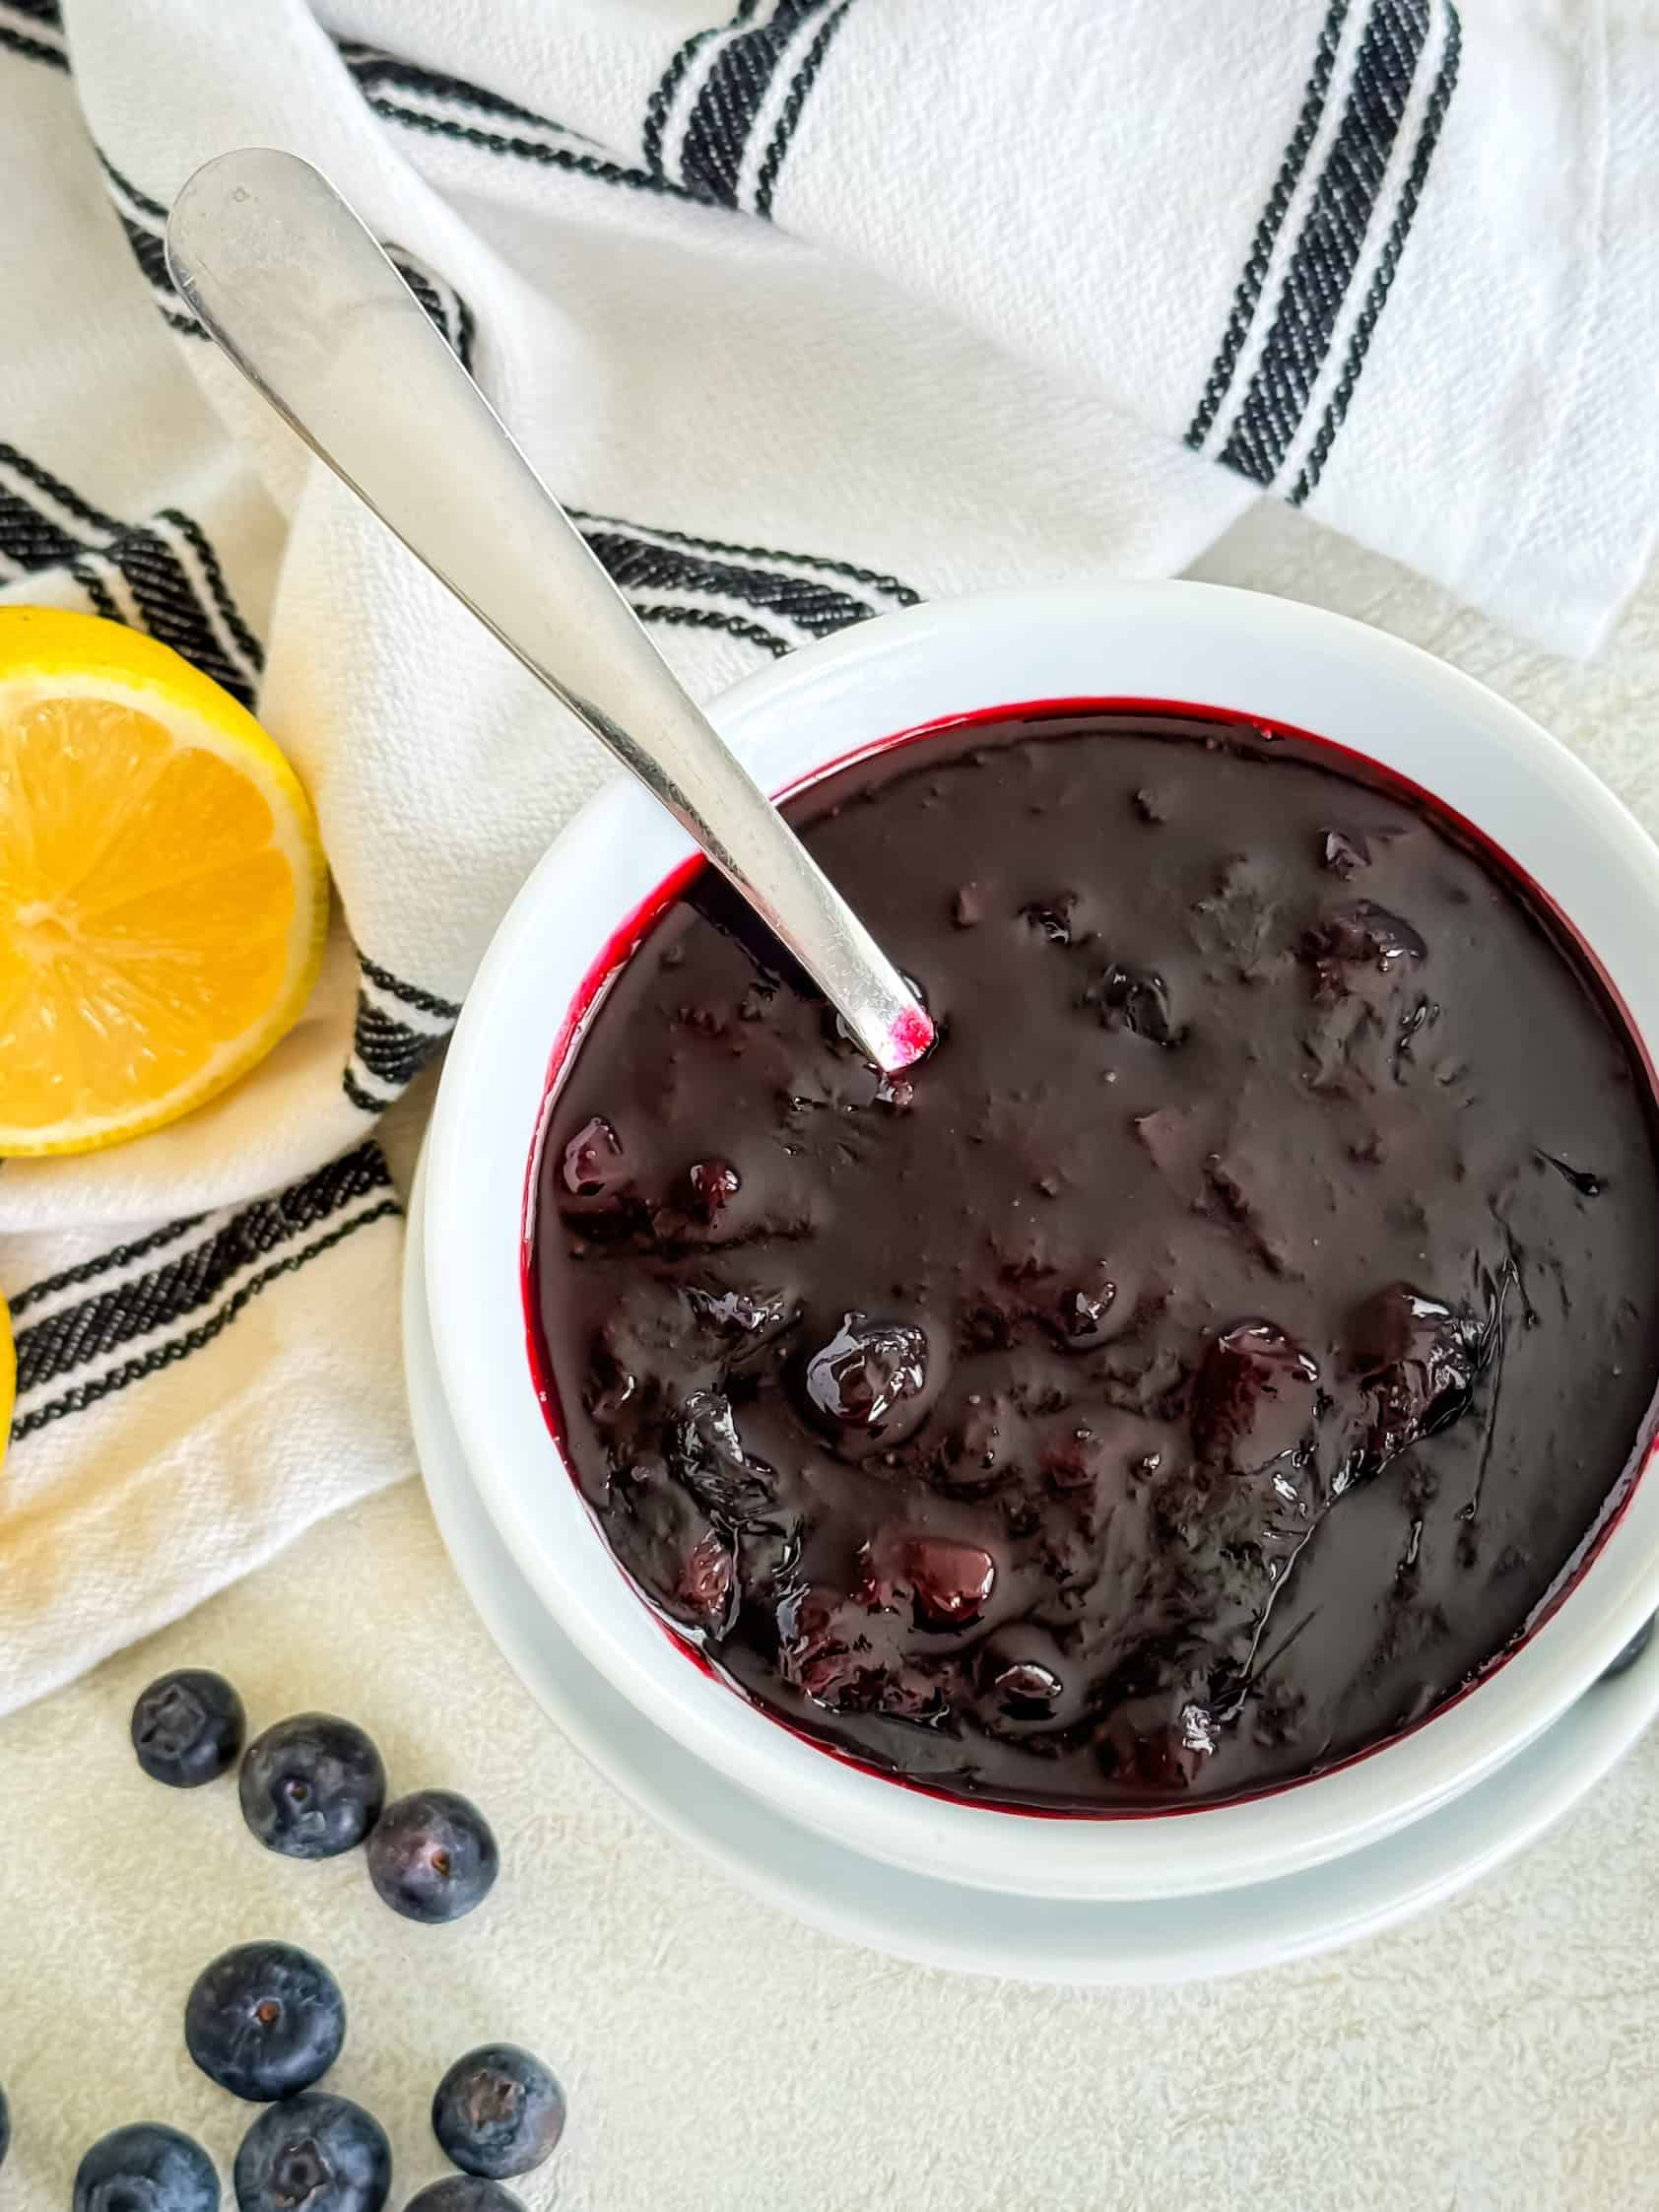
810 308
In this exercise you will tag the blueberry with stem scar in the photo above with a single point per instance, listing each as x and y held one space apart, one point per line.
265 2020
432 1856
498 2112
313 2153
146 2168
311 1786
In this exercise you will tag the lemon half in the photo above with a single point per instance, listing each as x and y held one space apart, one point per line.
164 895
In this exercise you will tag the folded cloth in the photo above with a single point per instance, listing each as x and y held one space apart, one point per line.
808 309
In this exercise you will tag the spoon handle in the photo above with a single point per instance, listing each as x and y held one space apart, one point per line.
300 297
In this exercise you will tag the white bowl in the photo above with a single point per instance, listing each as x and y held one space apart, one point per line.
1194 645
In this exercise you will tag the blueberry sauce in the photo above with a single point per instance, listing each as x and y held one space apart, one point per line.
1203 1364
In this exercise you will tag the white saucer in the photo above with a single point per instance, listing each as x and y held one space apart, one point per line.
938 1924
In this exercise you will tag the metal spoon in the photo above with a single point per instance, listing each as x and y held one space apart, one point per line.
296 290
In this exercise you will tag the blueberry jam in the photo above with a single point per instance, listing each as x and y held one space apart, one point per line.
1197 1369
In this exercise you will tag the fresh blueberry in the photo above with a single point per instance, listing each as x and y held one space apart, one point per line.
311 1786
264 2019
1621 1663
316 2153
497 2111
187 1729
464 2192
146 2168
433 1855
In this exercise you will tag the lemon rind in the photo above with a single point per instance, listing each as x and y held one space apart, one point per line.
74 658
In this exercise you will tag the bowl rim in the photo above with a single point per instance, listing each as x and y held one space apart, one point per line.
616 853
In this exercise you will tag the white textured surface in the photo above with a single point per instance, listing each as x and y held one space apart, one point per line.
1501 2055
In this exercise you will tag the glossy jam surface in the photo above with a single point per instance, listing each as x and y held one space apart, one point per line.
1194 1372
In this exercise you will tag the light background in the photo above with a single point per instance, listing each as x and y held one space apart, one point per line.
1500 2055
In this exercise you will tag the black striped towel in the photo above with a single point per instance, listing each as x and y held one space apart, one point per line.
810 307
